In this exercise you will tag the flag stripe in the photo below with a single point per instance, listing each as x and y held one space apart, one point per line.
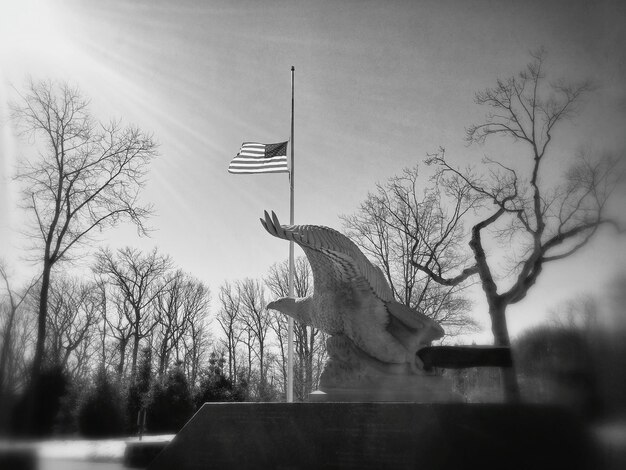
262 167
259 170
262 170
242 166
254 157
240 158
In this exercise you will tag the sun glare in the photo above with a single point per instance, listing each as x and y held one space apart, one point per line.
30 31
31 37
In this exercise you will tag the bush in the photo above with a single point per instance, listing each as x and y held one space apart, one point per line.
555 366
216 387
172 404
139 391
36 411
477 384
101 414
66 421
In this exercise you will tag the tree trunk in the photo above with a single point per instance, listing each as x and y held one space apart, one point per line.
194 365
41 322
230 358
6 347
249 345
309 361
497 312
29 418
133 367
261 371
162 358
120 365
234 377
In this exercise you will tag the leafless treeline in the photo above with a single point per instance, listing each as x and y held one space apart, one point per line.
246 326
133 300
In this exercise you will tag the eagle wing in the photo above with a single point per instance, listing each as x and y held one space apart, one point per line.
339 269
334 258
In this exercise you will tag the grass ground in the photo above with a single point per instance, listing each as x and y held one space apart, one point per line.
108 454
78 454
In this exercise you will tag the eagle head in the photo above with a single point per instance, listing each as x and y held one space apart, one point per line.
298 309
286 305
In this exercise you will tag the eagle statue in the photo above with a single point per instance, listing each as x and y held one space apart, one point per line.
353 303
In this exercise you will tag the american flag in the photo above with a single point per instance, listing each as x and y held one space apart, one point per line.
260 158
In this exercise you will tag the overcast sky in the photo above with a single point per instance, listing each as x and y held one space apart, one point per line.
378 85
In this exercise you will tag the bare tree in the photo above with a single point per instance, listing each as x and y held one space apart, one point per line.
10 323
169 317
309 342
229 319
119 327
257 325
138 278
392 225
518 209
20 349
101 301
182 309
90 353
578 313
277 279
72 319
87 177
196 338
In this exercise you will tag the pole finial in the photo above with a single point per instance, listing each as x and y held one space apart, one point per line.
293 68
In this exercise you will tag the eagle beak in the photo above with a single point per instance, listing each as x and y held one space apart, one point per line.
284 305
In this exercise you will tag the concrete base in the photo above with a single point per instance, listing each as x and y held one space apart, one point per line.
375 436
18 459
413 389
139 454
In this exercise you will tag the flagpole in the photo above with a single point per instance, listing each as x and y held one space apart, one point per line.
291 260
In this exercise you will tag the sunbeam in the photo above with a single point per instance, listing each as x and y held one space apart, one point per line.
32 36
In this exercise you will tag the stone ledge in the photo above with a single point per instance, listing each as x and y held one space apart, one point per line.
18 459
376 436
139 454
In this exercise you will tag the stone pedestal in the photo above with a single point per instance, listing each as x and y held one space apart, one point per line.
375 436
351 375
414 389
